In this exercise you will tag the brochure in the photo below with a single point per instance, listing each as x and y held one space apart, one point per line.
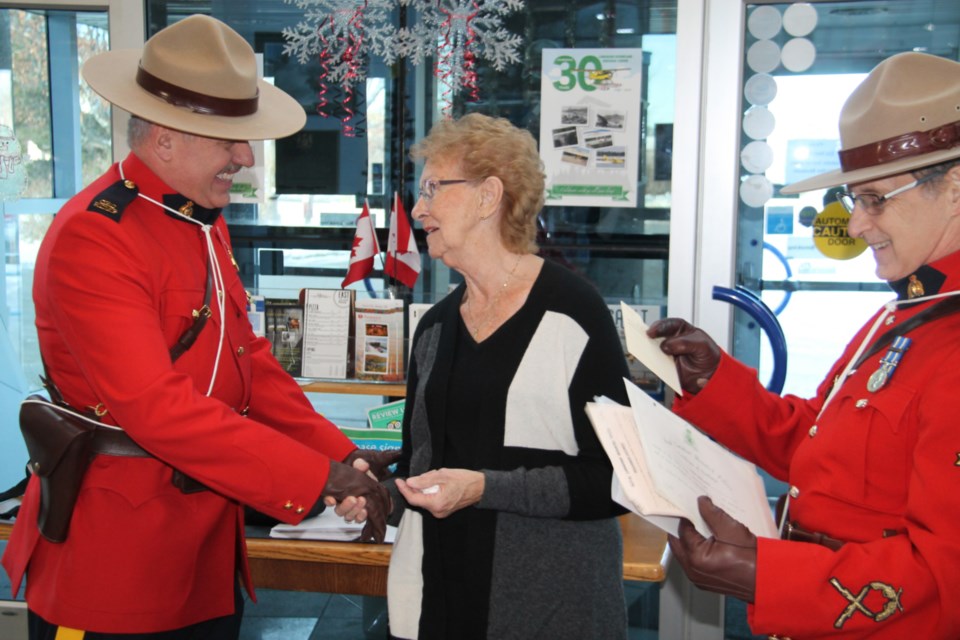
387 416
379 439
284 322
378 348
326 338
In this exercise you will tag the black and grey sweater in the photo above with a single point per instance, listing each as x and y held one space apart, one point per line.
540 556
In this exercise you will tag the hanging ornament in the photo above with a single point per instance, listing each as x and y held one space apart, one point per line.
460 32
341 34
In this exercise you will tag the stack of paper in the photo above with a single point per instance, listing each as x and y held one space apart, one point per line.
326 526
662 464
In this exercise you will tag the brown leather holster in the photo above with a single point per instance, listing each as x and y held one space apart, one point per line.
62 443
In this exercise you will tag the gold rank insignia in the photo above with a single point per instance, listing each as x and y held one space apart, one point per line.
113 200
105 205
914 288
187 209
856 604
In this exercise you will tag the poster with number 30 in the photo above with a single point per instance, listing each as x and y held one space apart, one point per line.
590 126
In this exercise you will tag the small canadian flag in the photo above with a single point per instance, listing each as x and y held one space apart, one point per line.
403 257
364 249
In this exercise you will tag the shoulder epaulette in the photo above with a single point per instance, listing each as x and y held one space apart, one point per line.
112 201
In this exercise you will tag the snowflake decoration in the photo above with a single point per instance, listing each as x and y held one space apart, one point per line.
342 34
343 31
460 32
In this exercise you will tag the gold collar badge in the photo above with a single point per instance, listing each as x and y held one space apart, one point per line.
914 288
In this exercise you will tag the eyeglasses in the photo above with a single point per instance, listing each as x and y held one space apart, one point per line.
428 188
873 203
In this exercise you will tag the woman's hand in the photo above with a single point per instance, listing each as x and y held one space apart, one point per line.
443 491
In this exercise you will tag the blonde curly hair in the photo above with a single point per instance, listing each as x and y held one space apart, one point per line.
483 146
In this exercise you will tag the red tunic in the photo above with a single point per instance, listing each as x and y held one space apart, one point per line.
874 461
112 294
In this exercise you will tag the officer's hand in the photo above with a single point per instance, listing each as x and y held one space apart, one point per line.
724 563
697 355
345 482
376 462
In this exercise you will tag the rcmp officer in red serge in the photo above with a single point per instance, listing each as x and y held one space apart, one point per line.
119 275
872 546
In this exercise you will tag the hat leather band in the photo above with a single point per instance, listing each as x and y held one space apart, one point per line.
916 143
198 102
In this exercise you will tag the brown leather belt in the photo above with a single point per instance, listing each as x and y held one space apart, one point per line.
116 442
792 532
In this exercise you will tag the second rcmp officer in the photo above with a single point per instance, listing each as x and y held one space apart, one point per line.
872 546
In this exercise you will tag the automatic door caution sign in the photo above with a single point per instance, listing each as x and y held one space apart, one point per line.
830 234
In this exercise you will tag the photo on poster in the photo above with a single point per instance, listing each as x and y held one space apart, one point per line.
575 114
566 137
611 158
610 119
576 155
598 138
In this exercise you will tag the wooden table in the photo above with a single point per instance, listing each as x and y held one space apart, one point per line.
361 569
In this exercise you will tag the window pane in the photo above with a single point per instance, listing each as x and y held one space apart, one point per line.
801 62
320 175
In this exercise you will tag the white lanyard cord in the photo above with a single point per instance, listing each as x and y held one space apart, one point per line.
215 273
888 308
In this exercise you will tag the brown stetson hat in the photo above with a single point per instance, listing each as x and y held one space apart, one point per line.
905 115
198 76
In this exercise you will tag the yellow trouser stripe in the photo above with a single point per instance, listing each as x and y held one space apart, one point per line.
63 633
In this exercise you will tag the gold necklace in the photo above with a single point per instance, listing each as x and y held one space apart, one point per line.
492 308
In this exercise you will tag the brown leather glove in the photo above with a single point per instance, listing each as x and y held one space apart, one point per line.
726 562
344 481
696 353
379 461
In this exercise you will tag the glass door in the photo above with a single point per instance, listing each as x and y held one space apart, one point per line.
800 63
56 136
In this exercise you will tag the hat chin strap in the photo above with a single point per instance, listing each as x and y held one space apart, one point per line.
916 143
215 272
194 101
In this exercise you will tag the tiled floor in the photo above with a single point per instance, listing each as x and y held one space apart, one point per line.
285 615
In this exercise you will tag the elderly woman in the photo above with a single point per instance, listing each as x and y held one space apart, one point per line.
507 529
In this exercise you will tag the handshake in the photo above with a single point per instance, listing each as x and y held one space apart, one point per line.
354 487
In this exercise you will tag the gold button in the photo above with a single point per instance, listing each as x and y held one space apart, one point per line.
288 505
861 403
240 351
301 509
129 184
794 492
813 431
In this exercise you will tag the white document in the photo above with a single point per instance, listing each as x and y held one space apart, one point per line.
647 350
326 526
326 333
663 464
